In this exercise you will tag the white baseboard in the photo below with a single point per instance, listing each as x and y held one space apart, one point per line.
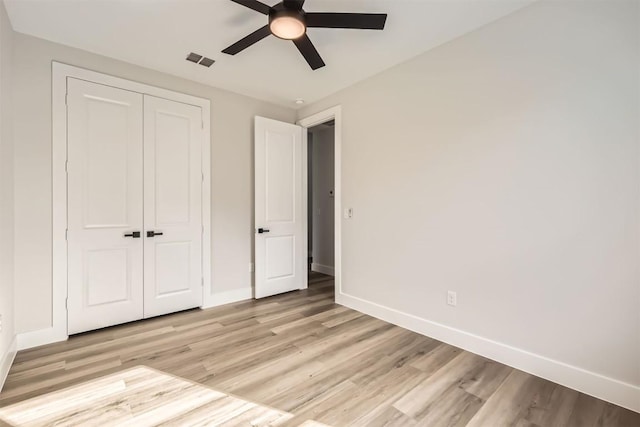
40 337
27 340
324 269
227 297
45 336
7 361
591 383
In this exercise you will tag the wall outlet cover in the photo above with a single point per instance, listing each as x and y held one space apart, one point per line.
452 298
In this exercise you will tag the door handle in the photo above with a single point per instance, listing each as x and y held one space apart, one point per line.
262 230
135 235
154 233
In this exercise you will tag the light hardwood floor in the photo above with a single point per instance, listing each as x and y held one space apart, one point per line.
137 397
301 353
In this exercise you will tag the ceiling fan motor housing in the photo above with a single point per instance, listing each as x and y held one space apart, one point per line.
280 11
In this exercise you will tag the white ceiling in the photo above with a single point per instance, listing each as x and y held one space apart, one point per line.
159 34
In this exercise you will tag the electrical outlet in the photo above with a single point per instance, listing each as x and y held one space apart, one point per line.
452 298
348 213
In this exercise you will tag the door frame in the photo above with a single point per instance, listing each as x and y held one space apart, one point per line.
333 113
60 72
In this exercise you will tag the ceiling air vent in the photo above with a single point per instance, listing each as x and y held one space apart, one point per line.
207 62
199 59
194 57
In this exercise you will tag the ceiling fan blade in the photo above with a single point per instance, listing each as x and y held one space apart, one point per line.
244 43
308 50
255 5
361 21
293 4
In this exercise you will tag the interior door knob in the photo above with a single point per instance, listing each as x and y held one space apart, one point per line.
262 230
153 233
134 235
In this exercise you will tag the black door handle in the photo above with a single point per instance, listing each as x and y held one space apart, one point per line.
135 235
154 233
262 230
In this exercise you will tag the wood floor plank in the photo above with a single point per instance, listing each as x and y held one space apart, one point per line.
454 407
586 412
301 353
557 409
388 417
436 358
416 401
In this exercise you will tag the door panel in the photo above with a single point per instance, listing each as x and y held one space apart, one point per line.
172 267
173 167
173 205
107 147
104 203
280 197
278 204
106 276
280 252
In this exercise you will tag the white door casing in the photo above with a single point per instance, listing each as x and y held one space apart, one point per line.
173 137
279 249
105 202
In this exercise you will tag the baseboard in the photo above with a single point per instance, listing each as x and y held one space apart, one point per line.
324 269
40 337
45 336
605 388
7 361
227 297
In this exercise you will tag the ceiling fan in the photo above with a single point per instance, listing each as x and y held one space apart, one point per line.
288 21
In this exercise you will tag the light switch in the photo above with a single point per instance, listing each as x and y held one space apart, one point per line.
348 213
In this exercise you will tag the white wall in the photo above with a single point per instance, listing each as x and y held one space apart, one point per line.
322 179
7 350
505 165
232 172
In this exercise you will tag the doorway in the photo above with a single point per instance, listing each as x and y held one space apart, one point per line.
321 203
332 118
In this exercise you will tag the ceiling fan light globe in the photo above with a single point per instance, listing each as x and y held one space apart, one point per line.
287 27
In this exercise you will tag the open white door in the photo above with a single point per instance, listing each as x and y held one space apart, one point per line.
279 251
173 137
104 176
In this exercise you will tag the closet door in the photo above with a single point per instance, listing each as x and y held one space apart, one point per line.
104 178
172 206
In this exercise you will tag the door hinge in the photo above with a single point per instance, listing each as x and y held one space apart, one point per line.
66 99
66 166
202 282
201 123
66 234
202 228
202 176
66 303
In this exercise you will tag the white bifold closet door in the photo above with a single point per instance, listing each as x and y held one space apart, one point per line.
134 182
